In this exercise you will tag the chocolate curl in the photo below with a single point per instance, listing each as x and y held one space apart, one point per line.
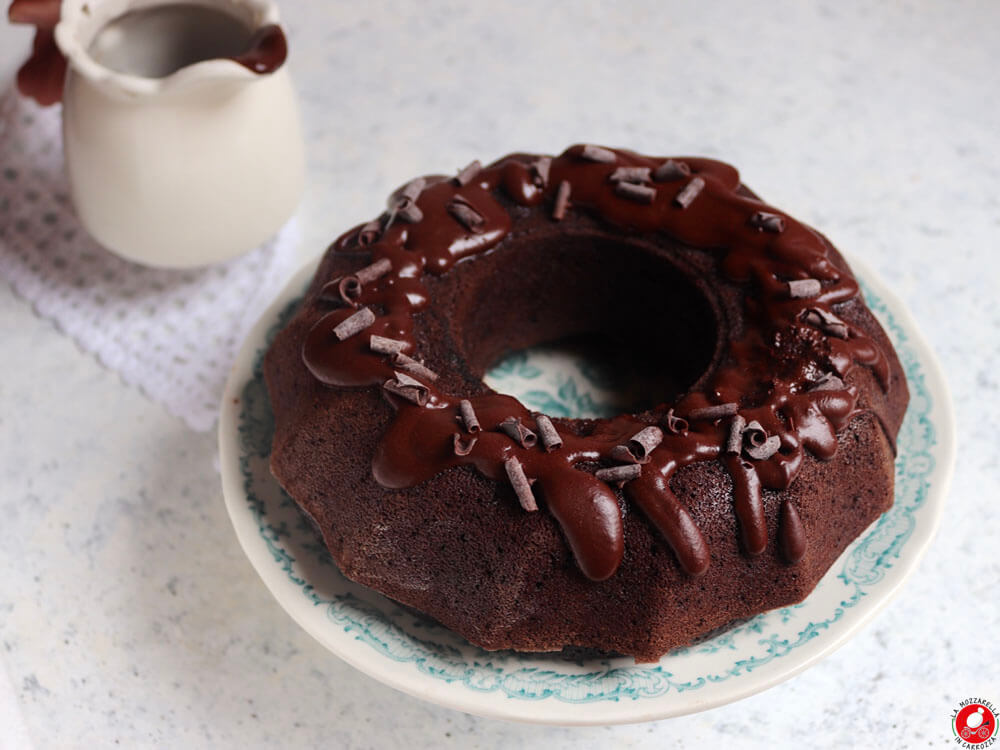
633 192
370 233
763 221
518 432
467 173
356 323
520 483
550 437
639 446
462 446
765 450
715 412
562 201
412 367
804 288
825 321
468 414
540 169
345 291
671 170
619 474
829 382
382 345
407 388
674 424
689 192
623 454
755 434
349 289
465 214
734 444
412 190
598 154
630 174
408 211
374 272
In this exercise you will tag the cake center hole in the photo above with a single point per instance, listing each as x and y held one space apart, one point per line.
587 326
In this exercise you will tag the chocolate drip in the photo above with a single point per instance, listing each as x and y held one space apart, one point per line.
462 218
792 535
587 510
748 504
659 504
266 52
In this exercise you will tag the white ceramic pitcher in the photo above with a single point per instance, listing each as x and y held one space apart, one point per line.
180 126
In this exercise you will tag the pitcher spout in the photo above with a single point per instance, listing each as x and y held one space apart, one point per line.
141 48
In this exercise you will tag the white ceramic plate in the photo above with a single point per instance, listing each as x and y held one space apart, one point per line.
426 660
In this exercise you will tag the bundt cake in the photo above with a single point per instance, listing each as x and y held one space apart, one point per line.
768 448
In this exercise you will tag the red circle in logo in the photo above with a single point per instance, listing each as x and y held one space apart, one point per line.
975 723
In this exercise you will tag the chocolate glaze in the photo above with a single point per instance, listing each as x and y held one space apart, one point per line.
41 76
266 51
767 371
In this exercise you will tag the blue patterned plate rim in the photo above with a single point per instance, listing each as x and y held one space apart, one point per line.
423 659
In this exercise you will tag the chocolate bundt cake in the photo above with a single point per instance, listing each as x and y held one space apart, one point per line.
768 449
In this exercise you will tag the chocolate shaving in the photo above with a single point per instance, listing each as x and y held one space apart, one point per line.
562 201
349 289
550 437
462 446
715 412
642 443
382 345
630 174
412 190
540 169
518 432
689 192
465 214
520 483
829 382
734 443
342 291
408 211
671 170
375 271
623 454
411 366
468 416
804 288
637 193
755 434
619 474
356 323
467 173
370 233
763 221
765 450
674 424
596 153
407 388
825 321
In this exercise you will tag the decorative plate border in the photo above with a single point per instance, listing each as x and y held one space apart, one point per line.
425 659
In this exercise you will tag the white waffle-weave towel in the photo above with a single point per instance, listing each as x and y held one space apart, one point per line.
173 334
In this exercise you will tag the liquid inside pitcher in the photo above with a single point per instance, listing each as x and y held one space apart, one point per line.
158 41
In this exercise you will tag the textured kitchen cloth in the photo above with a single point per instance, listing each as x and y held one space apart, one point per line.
173 334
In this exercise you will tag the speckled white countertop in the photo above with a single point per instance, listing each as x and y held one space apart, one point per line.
128 613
